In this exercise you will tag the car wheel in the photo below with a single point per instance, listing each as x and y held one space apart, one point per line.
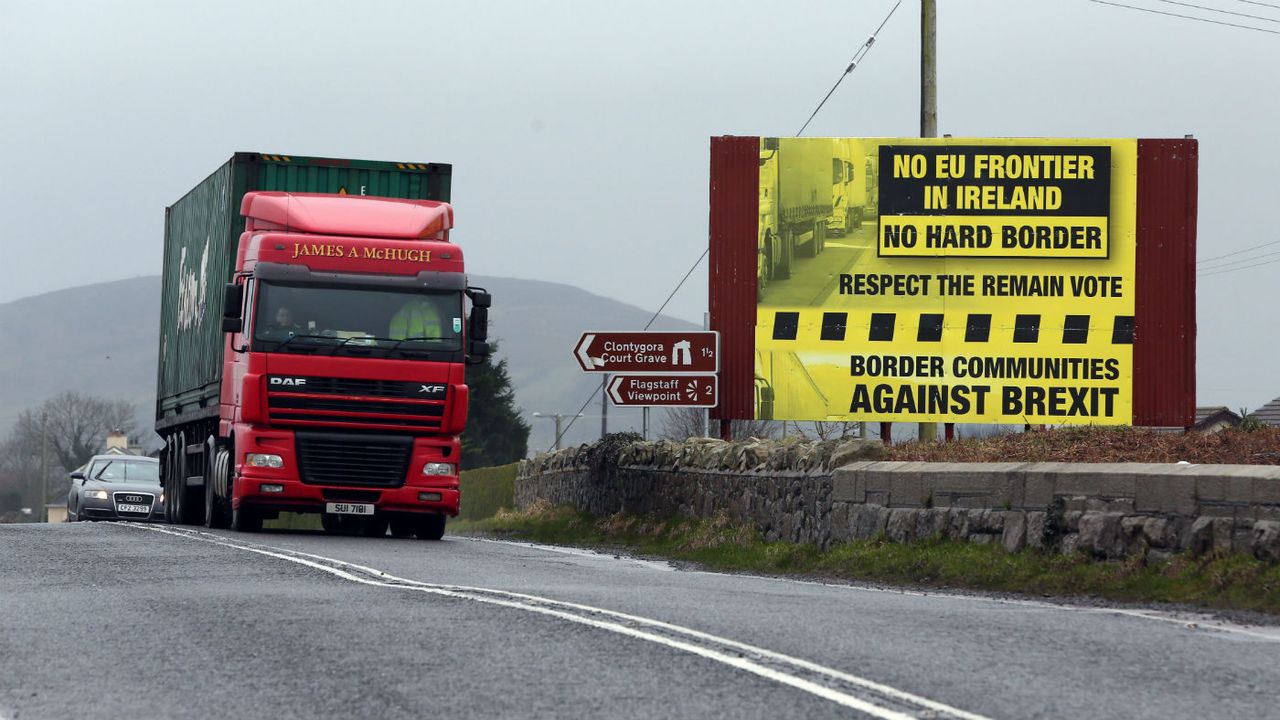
430 527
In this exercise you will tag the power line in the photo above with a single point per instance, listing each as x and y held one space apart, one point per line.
1255 2
1219 10
1243 261
853 63
1238 252
1187 17
647 325
1247 267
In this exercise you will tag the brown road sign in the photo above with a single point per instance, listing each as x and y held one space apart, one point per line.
695 351
663 390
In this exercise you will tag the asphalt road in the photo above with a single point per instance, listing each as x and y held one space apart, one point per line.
109 620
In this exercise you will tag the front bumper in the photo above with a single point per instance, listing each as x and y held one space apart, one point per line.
298 496
105 510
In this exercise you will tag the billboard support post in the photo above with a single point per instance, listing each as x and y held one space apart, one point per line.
928 432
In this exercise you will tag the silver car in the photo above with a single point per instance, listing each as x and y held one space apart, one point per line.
116 487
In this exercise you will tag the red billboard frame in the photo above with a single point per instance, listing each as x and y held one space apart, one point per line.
1164 352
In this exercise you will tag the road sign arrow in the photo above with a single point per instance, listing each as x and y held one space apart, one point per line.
581 352
614 384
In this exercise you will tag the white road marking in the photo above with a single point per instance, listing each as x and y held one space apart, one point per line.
873 698
580 552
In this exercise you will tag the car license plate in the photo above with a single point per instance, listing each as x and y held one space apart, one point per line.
143 509
349 508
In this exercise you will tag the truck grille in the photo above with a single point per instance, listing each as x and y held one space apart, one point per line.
367 460
303 409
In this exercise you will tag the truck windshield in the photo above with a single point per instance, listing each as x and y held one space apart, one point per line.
350 320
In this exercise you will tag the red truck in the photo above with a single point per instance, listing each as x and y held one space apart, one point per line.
333 380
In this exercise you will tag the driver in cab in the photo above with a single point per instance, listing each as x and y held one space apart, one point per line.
282 324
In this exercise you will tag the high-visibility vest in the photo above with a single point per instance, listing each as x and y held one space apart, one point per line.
418 318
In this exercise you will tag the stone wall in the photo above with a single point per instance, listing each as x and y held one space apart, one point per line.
829 492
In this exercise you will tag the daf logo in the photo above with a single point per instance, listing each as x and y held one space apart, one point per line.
289 381
431 389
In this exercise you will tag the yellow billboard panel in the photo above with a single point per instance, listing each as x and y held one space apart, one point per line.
946 280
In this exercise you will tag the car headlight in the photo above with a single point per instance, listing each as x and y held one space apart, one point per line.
162 496
96 494
263 460
438 468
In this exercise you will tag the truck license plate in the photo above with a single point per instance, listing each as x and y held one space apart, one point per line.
348 508
143 509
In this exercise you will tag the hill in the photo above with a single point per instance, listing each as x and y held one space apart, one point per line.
101 339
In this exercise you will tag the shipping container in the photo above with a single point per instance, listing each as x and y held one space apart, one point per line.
201 235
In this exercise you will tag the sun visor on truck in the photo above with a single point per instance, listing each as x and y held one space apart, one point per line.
424 280
352 215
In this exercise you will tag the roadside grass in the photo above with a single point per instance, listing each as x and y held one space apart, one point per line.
485 491
1212 581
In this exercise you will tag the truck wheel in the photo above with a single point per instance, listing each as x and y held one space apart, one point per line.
402 526
215 477
332 524
245 519
430 527
786 249
375 526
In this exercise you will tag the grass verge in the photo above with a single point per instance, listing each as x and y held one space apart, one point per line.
1212 581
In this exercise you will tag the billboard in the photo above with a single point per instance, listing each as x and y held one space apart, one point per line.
945 280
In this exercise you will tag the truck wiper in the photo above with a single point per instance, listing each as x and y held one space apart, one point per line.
423 351
291 338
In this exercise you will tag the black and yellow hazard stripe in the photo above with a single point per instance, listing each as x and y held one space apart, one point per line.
276 158
886 327
412 166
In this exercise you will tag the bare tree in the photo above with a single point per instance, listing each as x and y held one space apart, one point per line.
682 423
820 430
75 427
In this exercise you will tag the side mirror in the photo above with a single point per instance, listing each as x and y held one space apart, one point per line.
479 324
479 297
77 475
233 308
477 351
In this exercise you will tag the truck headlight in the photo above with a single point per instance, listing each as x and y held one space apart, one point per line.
438 468
96 494
263 460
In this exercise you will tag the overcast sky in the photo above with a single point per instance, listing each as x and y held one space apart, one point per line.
579 131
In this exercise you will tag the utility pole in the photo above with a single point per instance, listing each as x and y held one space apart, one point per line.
559 420
706 412
44 476
928 432
604 405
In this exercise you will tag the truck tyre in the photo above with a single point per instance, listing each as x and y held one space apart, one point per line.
332 524
402 526
430 527
374 526
786 249
192 507
170 494
216 479
177 469
245 519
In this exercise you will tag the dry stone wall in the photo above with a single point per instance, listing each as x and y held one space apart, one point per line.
834 491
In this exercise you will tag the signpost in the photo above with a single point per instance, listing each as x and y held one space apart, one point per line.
663 390
654 368
695 351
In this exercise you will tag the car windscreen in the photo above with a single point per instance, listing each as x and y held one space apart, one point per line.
355 320
127 471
